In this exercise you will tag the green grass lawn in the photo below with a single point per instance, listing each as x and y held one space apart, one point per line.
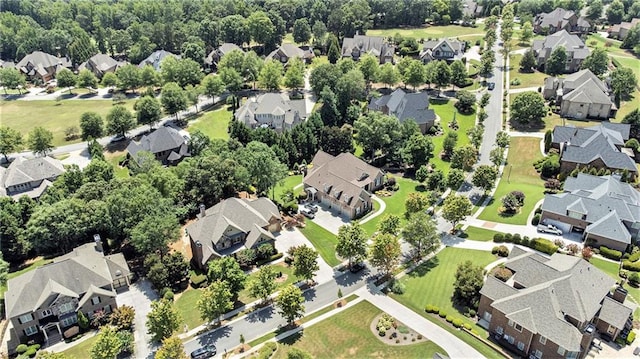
186 305
348 335
534 79
431 31
114 158
81 350
214 123
395 203
446 112
323 241
55 116
629 105
288 182
611 45
519 175
478 234
287 271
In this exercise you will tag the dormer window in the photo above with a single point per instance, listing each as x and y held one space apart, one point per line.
337 194
327 188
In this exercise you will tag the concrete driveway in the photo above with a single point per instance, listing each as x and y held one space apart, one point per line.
139 296
329 219
291 238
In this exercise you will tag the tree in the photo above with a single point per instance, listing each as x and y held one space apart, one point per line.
458 73
390 224
336 140
40 141
163 320
173 98
319 30
352 243
10 141
466 101
119 121
329 110
193 51
87 79
263 284
475 134
623 82
485 177
4 271
294 76
109 79
290 303
66 78
107 345
415 74
632 118
370 67
417 150
469 281
422 234
497 156
464 157
528 108
487 60
260 27
442 76
416 202
513 201
449 143
271 75
262 165
91 125
455 178
324 75
503 139
171 348
595 10
148 111
305 262
128 77
12 78
301 31
212 85
456 208
597 61
526 32
376 131
228 270
149 76
122 317
333 53
384 252
154 232
528 61
615 12
181 71
557 61
389 75
215 301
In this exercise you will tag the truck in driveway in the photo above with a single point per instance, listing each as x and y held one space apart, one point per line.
549 228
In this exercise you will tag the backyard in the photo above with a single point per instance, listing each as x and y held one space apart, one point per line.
290 182
519 175
213 123
534 79
348 335
323 241
446 111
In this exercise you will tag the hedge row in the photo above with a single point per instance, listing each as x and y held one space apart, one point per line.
539 244
634 257
198 280
270 259
632 266
267 350
610 253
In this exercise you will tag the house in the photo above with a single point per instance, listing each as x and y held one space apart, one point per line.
560 19
40 304
272 110
344 183
552 307
597 146
232 225
443 49
580 95
573 45
29 177
472 9
155 59
166 144
42 67
214 56
359 45
100 64
286 52
406 106
605 210
620 31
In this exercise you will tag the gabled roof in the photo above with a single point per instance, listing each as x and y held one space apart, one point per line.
276 104
557 17
610 226
572 44
92 292
589 92
615 313
155 59
404 106
101 62
42 63
23 170
222 50
163 139
374 45
290 51
452 45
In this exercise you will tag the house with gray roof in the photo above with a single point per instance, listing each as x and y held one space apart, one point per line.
343 183
287 51
604 209
620 31
41 66
560 19
580 95
232 225
29 177
551 307
359 45
273 110
443 49
100 64
575 48
155 59
216 55
599 146
42 303
472 9
406 107
166 144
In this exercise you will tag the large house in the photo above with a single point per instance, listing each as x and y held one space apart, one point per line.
41 66
216 55
344 183
597 146
620 31
443 49
232 225
42 303
472 9
166 144
604 209
573 45
272 110
100 64
560 19
155 59
580 95
406 107
552 307
359 45
287 51
29 177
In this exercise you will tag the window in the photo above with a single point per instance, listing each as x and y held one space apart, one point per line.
66 308
499 330
25 318
69 321
543 340
510 323
107 309
95 300
518 327
46 313
561 350
520 346
511 339
611 330
538 354
31 330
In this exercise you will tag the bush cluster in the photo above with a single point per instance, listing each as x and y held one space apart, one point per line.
501 251
198 281
502 273
267 350
631 337
610 253
539 244
430 308
457 323
632 266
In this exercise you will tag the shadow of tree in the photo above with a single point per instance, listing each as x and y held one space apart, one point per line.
425 267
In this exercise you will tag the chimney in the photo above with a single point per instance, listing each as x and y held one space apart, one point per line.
197 252
203 210
620 294
98 241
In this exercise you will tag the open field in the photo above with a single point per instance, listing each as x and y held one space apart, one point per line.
446 112
55 116
534 79
213 123
395 203
431 32
348 335
323 241
519 175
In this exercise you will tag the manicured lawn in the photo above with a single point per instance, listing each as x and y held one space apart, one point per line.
246 298
432 32
534 79
631 62
114 158
348 335
446 112
323 241
555 120
629 105
596 40
288 182
213 123
187 304
55 116
519 175
81 350
478 234
395 203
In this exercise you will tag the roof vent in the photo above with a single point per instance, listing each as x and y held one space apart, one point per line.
118 273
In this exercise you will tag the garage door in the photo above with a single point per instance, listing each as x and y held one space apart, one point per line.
564 227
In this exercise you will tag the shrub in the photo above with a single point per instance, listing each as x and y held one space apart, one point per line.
267 350
634 279
502 273
610 253
467 326
472 313
573 249
501 251
449 318
508 238
31 352
71 332
525 241
198 281
634 257
515 82
457 323
168 295
431 309
544 245
382 332
631 337
442 314
397 287
559 243
498 238
21 348
516 239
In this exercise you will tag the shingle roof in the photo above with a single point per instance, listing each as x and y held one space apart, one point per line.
272 104
163 139
155 59
100 62
453 45
588 92
42 63
610 226
290 51
614 313
574 46
556 17
374 45
404 106
23 170
221 51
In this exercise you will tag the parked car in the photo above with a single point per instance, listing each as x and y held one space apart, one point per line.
307 213
118 138
357 267
207 351
311 207
491 85
549 228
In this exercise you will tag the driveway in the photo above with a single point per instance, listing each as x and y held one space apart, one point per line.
329 219
291 238
139 296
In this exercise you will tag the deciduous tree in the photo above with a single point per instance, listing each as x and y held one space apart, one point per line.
12 78
416 202
294 76
148 111
526 32
40 141
10 141
421 233
389 75
384 252
485 177
228 270
456 208
173 98
215 301
469 281
153 233
305 262
302 31
107 345
212 85
528 108
415 74
66 78
290 303
271 75
556 62
455 178
87 79
119 121
263 284
352 242
597 61
171 348
163 320
417 150
91 125
458 73
623 82
128 77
